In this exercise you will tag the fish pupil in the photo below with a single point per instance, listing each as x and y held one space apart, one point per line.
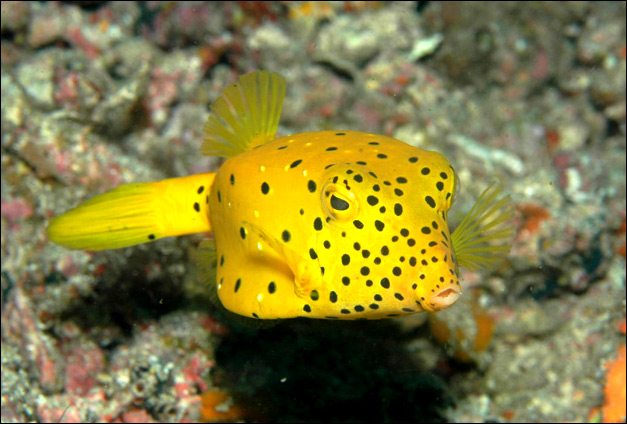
338 204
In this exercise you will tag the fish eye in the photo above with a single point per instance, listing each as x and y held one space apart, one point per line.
339 202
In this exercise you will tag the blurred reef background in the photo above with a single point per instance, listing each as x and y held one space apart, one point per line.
95 94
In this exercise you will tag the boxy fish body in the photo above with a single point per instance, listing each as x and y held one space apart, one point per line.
329 224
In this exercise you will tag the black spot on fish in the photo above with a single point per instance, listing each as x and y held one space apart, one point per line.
372 200
265 188
311 186
430 201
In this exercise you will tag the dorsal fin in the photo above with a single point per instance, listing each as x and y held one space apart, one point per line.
246 115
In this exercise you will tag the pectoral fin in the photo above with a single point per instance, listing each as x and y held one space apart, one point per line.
307 275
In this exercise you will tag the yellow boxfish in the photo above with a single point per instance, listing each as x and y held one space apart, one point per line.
328 224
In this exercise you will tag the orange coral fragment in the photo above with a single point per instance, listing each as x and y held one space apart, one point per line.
218 406
614 407
485 329
465 350
532 216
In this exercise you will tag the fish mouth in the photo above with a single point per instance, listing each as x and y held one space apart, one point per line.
442 299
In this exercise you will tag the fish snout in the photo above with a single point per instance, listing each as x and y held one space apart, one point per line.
438 286
442 298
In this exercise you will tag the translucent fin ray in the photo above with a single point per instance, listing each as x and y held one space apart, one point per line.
483 237
246 115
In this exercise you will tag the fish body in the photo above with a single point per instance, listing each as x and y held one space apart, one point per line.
329 224
332 224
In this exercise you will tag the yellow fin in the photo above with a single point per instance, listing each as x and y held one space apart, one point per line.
246 115
136 213
202 285
484 236
306 277
203 271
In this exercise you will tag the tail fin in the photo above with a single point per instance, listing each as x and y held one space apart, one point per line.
246 115
136 213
